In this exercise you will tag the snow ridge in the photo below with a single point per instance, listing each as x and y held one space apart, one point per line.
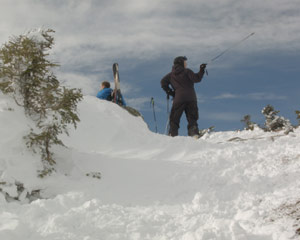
226 185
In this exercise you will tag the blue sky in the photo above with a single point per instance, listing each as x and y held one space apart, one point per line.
144 37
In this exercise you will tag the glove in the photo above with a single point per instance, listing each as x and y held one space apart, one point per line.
203 66
170 92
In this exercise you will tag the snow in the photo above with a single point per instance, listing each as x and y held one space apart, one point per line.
227 185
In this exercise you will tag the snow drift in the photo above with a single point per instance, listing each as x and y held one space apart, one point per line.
226 185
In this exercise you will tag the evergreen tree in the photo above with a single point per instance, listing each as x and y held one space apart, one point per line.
274 122
298 117
249 125
27 75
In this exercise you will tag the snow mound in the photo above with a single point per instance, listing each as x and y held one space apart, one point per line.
226 185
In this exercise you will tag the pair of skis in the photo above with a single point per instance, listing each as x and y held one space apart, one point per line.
117 95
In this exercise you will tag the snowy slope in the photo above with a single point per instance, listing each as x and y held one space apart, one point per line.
226 185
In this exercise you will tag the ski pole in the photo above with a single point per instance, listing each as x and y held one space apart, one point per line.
168 112
152 103
233 46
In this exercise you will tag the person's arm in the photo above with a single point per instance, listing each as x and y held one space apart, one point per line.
165 82
197 77
101 94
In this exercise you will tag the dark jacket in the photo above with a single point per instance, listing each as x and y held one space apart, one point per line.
182 81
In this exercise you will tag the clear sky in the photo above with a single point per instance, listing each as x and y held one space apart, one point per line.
144 36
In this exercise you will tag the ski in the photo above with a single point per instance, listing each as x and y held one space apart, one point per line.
117 96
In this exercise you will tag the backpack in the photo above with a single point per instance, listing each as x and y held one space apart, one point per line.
110 97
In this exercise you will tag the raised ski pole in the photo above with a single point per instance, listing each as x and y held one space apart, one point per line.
152 104
233 46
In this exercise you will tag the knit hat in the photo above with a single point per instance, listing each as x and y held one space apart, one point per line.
180 60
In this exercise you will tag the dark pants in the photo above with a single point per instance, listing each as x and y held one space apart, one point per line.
191 112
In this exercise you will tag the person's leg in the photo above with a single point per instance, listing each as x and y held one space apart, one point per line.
176 112
191 112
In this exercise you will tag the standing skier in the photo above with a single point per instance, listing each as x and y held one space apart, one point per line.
182 90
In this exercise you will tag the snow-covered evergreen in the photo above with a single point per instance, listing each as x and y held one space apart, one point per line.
274 122
26 74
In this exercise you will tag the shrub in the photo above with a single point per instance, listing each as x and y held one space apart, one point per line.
27 75
249 125
274 122
298 117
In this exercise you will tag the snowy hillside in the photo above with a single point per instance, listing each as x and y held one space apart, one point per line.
226 185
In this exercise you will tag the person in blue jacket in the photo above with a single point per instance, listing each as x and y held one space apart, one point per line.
105 92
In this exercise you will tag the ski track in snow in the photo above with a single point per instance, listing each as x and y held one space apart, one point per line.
226 185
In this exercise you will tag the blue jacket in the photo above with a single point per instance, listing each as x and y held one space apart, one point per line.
105 93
